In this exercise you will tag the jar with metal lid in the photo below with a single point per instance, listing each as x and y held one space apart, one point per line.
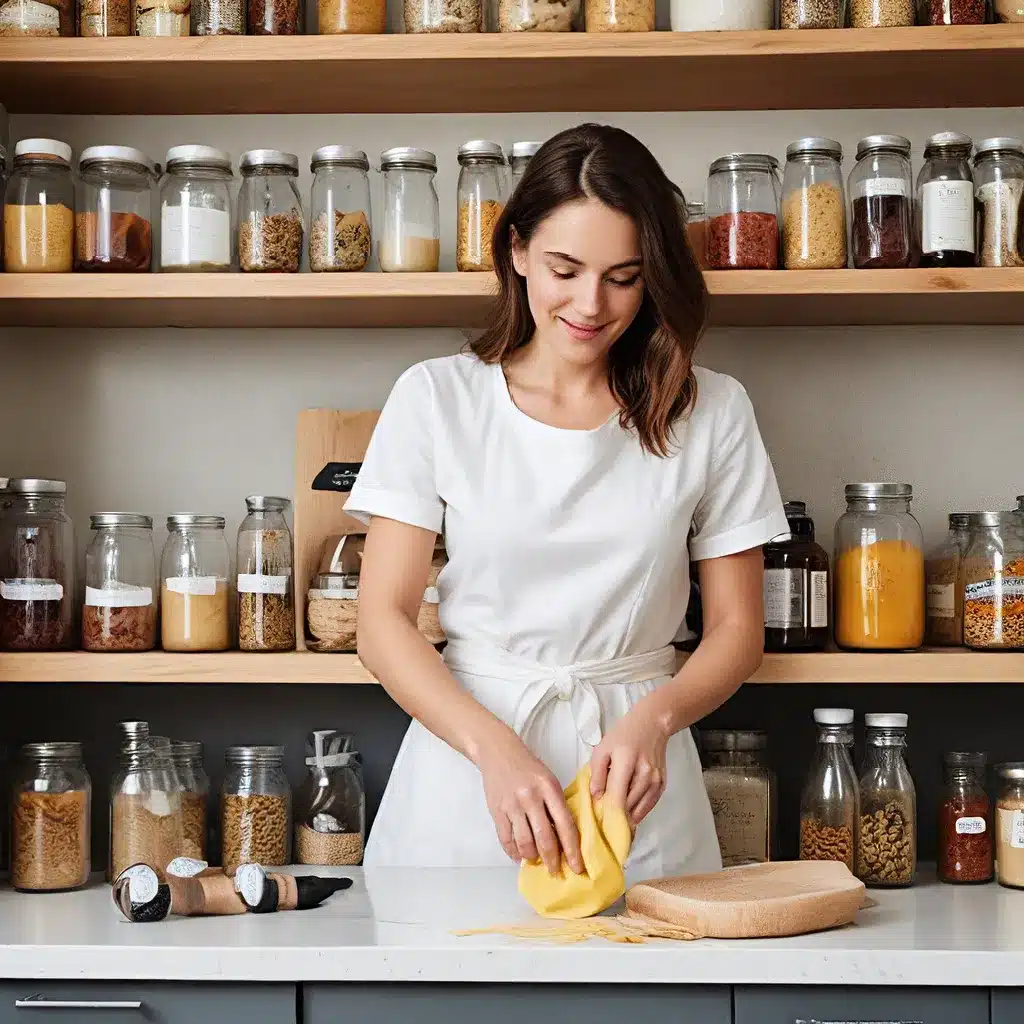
411 238
879 570
535 15
162 18
814 206
998 191
830 801
187 757
992 575
255 808
352 17
51 819
956 12
812 14
195 211
619 15
120 607
330 805
881 191
721 15
339 233
218 17
37 567
37 18
195 601
481 198
443 15
266 594
741 207
39 205
269 212
944 597
965 820
519 159
945 202
696 230
104 18
1009 838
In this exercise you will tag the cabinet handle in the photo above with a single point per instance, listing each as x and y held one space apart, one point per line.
800 1020
39 1003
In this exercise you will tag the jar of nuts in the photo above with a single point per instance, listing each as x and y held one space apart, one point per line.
255 808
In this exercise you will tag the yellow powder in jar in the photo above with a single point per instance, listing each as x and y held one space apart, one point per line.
38 239
195 622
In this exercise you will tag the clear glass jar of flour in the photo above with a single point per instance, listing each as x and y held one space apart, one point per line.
195 210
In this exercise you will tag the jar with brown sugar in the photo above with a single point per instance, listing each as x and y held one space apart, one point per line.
39 209
255 808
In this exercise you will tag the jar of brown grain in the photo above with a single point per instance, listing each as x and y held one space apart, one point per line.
255 808
187 756
39 209
814 206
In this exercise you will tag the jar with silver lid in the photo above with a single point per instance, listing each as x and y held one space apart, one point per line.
481 199
266 596
741 209
410 240
814 206
519 158
195 210
881 191
269 212
340 226
945 202
39 213
255 808
998 190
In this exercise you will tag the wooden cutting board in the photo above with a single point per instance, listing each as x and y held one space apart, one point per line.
757 901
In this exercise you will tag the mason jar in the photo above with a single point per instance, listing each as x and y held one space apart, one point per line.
535 15
352 17
945 202
218 17
187 757
881 201
266 592
255 808
519 159
619 15
269 212
195 211
330 805
480 199
443 16
162 18
39 205
998 191
34 18
814 206
722 15
812 14
741 209
410 241
340 224
696 230
992 575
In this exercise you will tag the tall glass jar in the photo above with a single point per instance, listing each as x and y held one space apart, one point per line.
276 18
741 206
195 211
36 18
992 576
814 206
1010 825
187 756
519 159
39 205
195 602
352 17
879 570
37 567
103 18
945 202
619 15
881 191
51 819
887 842
965 820
269 212
330 805
536 15
953 12
812 14
722 15
443 15
998 191
162 18
411 239
255 808
481 198
696 231
218 17
830 802
944 597
340 232
266 592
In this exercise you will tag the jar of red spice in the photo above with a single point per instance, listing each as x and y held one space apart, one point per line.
881 199
965 820
741 208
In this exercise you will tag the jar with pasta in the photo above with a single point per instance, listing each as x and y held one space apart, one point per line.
255 808
187 756
266 597
944 598
993 582
39 209
410 240
269 212
481 198
340 230
443 15
814 206
536 15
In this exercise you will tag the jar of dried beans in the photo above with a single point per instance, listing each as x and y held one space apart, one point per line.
993 582
945 202
812 14
954 12
39 204
881 190
481 198
965 820
410 240
741 207
1010 825
187 757
269 212
195 211
340 232
255 808
814 206
944 598
330 805
998 191
519 159
443 15
266 595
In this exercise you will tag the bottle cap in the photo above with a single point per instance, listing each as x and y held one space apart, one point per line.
834 716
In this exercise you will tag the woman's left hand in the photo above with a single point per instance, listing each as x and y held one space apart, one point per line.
629 765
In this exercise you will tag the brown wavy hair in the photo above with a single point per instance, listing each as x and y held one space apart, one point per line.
650 369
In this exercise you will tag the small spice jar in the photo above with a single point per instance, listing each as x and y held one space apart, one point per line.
120 607
218 17
998 190
741 206
965 820
410 241
269 212
535 15
881 187
812 14
443 15
721 15
519 158
944 598
339 234
945 202
480 198
276 17
162 18
187 758
195 211
696 230
992 575
51 820
814 206
619 15
1010 825
953 12
255 808
266 597
101 18
352 17
330 805
37 18
39 204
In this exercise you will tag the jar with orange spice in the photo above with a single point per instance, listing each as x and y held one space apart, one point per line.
879 570
992 574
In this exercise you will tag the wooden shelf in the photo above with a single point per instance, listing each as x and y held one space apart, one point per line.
963 66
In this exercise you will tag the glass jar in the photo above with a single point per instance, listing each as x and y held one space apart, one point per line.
830 802
944 598
535 15
1010 825
255 808
411 239
187 757
881 187
443 15
102 18
879 570
721 15
992 576
266 596
162 18
276 18
339 234
120 607
36 18
330 805
953 12
965 820
814 206
741 787
887 840
39 204
481 198
218 17
269 212
696 231
619 15
195 211
3 186
741 204
519 159
195 604
812 13
37 567
51 819
998 190
1007 10
882 13
795 587
352 17
945 202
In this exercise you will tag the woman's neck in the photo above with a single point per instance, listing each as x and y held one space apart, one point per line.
538 368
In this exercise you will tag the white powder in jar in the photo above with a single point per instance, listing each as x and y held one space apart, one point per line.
721 15
194 238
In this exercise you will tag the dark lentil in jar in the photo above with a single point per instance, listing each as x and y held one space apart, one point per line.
953 12
880 188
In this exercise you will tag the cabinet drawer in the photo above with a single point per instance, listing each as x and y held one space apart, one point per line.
1007 1005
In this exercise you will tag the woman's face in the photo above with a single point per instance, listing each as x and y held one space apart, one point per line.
583 278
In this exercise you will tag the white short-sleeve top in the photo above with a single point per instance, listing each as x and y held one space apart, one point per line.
564 545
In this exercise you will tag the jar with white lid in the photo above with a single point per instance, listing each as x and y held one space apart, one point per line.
881 203
998 192
519 158
481 199
340 226
39 205
945 202
266 596
195 211
814 206
410 240
36 18
269 212
162 18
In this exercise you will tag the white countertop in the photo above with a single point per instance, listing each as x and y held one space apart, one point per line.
397 925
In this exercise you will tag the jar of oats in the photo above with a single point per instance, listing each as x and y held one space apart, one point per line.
814 206
255 808
187 756
269 212
481 198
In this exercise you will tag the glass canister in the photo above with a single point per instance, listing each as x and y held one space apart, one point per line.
944 598
443 15
102 18
195 602
814 206
992 576
411 239
966 843
741 207
36 18
998 190
352 17
340 233
721 15
37 567
51 819
830 802
255 808
195 211
162 18
812 14
887 841
1010 825
276 18
536 15
519 159
696 231
39 205
187 757
879 570
266 596
481 198
619 15
269 212
954 12
881 190
330 805
882 13
945 202
218 17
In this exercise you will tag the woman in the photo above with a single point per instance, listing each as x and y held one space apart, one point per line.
565 460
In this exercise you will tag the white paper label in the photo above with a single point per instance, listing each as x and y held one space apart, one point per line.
783 598
431 596
970 826
118 595
819 599
255 583
947 216
186 867
1002 589
1017 830
31 590
143 884
190 235
871 187
346 594
197 586
940 600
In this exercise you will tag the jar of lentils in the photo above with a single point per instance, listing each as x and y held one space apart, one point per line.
814 206
255 808
812 14
340 233
945 202
195 211
881 188
998 191
269 212
481 199
741 209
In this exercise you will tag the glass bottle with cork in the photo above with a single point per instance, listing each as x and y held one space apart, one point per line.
965 820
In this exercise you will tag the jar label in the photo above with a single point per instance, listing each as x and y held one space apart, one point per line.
335 594
118 595
31 590
947 216
941 604
197 586
256 583
871 187
819 599
972 826
192 235
1003 588
1017 830
783 598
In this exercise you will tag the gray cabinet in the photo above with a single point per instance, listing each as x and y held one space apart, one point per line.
1007 1005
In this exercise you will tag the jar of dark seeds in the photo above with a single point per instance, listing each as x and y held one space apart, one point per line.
812 13
998 190
953 12
266 597
339 231
269 212
881 187
945 202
